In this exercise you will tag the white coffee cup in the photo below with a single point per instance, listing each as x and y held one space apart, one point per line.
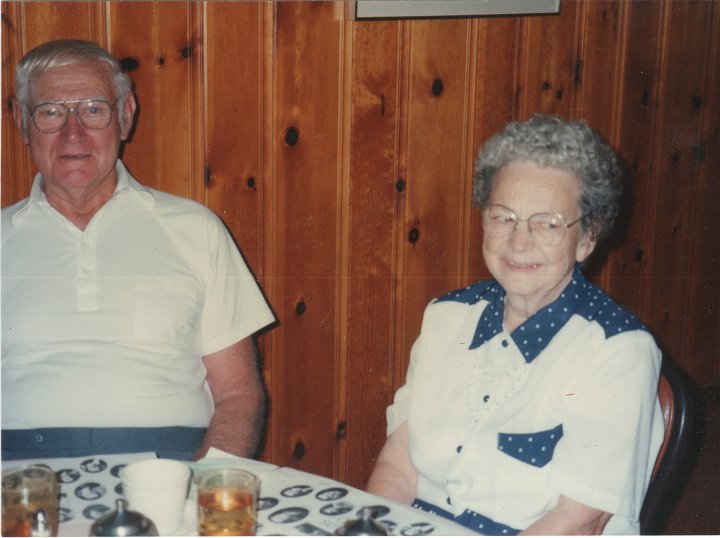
157 489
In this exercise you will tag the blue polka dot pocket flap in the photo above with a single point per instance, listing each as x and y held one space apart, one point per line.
532 448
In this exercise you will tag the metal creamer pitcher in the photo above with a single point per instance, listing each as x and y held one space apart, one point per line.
123 522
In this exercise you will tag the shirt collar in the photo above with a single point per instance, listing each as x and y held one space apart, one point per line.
126 183
580 297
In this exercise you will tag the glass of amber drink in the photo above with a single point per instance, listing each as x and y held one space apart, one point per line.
25 491
226 502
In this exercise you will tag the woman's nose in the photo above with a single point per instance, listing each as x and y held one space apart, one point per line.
520 238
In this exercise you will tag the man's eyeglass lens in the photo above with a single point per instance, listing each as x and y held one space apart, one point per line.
546 229
51 117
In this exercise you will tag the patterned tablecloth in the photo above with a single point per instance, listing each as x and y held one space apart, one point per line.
291 502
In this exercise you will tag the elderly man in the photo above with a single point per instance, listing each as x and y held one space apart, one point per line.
128 314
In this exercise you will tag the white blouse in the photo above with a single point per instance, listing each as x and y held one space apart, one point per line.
503 424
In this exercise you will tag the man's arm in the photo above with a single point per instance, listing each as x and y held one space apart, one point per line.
394 476
569 517
239 395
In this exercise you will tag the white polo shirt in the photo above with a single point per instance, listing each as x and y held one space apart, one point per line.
502 424
107 327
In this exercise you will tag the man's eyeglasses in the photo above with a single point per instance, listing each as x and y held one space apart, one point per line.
546 229
91 113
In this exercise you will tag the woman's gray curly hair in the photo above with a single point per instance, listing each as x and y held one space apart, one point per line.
61 53
572 146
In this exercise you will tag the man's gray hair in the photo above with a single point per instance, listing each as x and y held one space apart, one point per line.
572 146
63 52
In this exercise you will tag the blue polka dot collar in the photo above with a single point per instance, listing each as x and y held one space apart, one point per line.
581 297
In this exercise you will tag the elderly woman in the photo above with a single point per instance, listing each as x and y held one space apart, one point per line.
530 403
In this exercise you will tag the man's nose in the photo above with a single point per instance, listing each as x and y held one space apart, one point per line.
73 128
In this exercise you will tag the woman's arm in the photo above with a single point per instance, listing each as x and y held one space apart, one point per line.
394 476
569 517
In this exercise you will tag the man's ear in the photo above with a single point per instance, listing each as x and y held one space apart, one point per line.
18 112
128 116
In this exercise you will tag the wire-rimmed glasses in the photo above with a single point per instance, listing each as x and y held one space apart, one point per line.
50 117
546 229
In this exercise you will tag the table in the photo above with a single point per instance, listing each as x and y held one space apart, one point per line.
291 502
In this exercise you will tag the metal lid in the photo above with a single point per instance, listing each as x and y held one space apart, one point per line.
364 526
123 522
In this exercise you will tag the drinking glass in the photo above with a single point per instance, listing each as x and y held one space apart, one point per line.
226 502
25 491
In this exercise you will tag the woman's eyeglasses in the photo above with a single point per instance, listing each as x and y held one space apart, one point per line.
546 229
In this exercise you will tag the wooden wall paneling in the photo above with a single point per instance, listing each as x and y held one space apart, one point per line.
496 89
325 224
24 26
44 21
306 186
15 165
702 349
401 339
375 192
469 225
437 188
634 247
687 32
704 355
157 43
270 141
597 87
547 63
234 173
595 75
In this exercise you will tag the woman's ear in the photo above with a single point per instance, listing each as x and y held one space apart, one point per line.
586 245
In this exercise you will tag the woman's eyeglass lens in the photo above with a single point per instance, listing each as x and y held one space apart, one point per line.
546 229
91 113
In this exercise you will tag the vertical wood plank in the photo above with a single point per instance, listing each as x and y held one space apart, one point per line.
45 21
157 43
595 71
631 258
547 62
437 200
235 179
688 23
267 38
496 91
24 26
306 127
597 87
374 189
700 350
702 356
15 165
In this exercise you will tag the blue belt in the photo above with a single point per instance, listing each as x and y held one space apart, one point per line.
471 520
175 442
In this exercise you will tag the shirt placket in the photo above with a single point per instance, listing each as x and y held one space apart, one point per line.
497 371
87 270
